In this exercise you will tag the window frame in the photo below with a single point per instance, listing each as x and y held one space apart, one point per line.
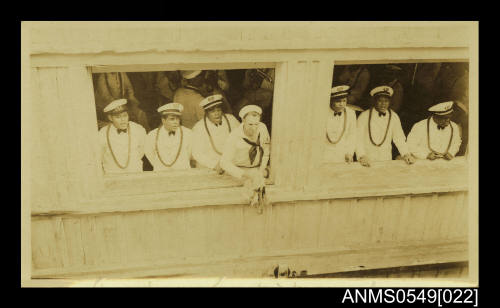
147 182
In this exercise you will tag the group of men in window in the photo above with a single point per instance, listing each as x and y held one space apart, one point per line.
416 87
195 127
371 135
217 141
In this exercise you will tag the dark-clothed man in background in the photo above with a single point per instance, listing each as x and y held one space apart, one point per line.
258 89
357 77
113 86
195 89
154 89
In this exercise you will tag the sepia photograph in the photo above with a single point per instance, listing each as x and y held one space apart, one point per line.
249 153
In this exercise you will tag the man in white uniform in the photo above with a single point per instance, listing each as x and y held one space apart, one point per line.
246 151
121 141
246 154
211 133
168 147
340 128
377 127
437 136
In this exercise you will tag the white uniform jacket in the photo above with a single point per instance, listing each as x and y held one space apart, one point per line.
378 126
163 149
209 140
236 151
340 136
439 139
117 144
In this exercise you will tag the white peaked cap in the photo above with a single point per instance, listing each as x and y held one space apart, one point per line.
115 104
249 108
382 90
442 108
171 108
190 74
339 91
211 101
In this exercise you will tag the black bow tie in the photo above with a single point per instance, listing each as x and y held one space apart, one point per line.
252 153
171 133
381 114
335 113
122 131
441 126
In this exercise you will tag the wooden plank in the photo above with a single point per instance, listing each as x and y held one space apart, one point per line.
90 241
196 228
318 108
282 226
300 88
398 175
47 101
60 241
109 237
255 228
307 216
374 225
219 37
418 217
336 189
176 66
291 111
449 272
75 253
68 129
314 261
85 139
41 196
43 246
323 224
448 204
433 217
170 226
338 224
451 227
402 230
361 220
280 133
139 234
226 234
463 221
390 218
166 181
206 60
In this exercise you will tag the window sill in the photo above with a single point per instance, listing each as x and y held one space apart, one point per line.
381 179
390 177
